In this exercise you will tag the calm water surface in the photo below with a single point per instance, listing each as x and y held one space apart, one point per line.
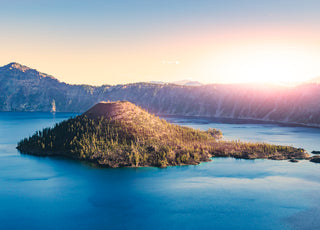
57 193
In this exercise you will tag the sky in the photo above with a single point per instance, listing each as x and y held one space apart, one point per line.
114 42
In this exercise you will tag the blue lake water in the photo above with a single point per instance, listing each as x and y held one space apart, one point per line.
56 193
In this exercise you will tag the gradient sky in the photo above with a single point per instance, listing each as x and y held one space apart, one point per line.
110 42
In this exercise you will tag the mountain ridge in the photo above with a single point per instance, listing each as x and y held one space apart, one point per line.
22 91
14 66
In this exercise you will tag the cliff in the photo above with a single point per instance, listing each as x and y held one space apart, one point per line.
25 89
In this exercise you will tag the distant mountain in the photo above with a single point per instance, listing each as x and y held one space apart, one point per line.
25 89
182 82
187 83
158 82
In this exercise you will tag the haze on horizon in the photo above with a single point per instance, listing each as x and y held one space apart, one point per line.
110 42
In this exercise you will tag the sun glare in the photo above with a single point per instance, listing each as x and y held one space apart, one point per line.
267 64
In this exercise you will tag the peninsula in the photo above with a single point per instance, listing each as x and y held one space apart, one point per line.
121 134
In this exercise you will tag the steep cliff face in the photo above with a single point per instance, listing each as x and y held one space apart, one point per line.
297 105
25 89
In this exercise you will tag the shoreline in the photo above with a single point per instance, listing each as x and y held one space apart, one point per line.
228 120
222 120
96 163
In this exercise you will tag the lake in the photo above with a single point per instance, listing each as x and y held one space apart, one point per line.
57 193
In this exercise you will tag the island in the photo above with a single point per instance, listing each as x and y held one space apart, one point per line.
121 134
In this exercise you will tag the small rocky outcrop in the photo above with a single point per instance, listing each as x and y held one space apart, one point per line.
315 159
293 160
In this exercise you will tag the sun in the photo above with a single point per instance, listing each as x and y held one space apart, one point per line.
258 64
266 66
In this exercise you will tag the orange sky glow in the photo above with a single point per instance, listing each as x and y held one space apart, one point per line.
233 52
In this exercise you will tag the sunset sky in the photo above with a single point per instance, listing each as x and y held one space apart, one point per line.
111 42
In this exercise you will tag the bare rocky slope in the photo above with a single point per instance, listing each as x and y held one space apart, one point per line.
25 89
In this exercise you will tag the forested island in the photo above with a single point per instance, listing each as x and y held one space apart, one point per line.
121 134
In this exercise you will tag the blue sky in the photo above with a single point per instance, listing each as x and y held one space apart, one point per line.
35 32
